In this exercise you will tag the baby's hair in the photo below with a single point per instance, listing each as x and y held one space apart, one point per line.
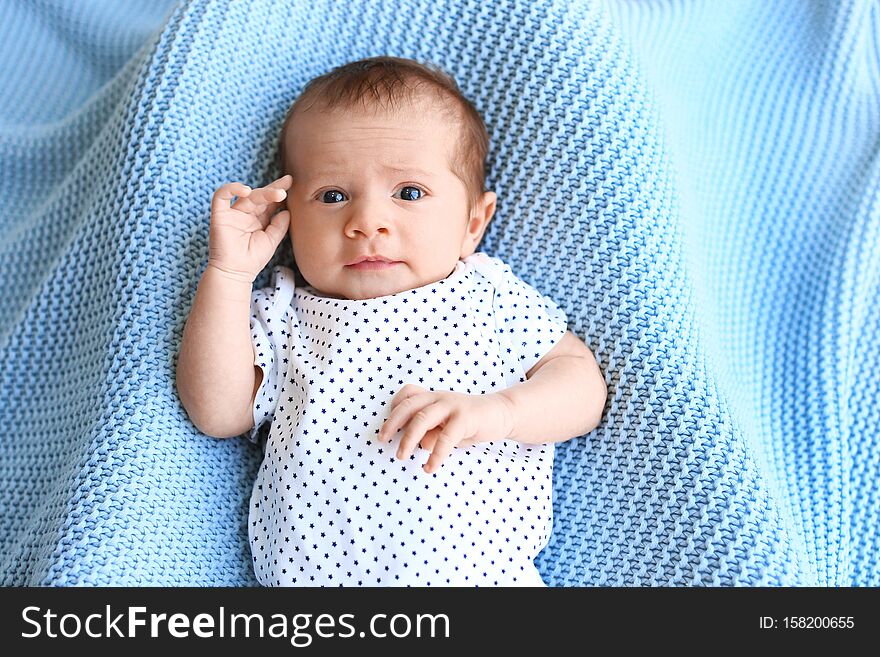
386 83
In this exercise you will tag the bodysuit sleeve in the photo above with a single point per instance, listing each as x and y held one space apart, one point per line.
270 324
530 323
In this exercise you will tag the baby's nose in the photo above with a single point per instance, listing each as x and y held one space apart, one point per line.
367 221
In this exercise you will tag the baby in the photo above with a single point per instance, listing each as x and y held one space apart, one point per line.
414 388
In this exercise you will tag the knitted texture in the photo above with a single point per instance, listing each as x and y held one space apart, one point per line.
695 185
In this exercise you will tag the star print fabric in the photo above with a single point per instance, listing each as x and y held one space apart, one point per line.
331 506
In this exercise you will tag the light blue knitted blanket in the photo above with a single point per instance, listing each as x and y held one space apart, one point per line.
696 184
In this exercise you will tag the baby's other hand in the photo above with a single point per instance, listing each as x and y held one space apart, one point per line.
244 236
439 421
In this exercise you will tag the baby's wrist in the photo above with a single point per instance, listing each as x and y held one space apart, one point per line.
508 413
244 278
223 286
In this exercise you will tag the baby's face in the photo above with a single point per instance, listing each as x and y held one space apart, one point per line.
377 185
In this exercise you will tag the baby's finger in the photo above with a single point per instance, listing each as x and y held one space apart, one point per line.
427 443
426 419
225 194
266 200
277 229
274 192
266 195
428 440
402 406
447 439
407 391
256 206
284 182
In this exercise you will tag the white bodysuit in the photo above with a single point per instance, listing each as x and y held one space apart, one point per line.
332 506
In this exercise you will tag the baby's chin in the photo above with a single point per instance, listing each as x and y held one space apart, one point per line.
360 292
366 292
364 285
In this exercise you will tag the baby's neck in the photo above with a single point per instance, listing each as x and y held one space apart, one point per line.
318 293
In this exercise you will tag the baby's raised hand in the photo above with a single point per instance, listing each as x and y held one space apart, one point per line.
439 421
244 236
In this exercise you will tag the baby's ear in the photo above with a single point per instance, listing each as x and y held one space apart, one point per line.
489 200
482 214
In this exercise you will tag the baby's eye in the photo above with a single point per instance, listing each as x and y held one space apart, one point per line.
411 193
331 193
408 193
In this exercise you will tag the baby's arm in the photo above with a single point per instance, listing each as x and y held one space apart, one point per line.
216 376
217 379
563 397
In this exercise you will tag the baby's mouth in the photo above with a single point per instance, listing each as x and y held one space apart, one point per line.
373 265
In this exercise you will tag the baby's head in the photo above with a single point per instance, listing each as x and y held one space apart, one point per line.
387 159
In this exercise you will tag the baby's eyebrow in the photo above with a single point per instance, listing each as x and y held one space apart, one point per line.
405 170
413 170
